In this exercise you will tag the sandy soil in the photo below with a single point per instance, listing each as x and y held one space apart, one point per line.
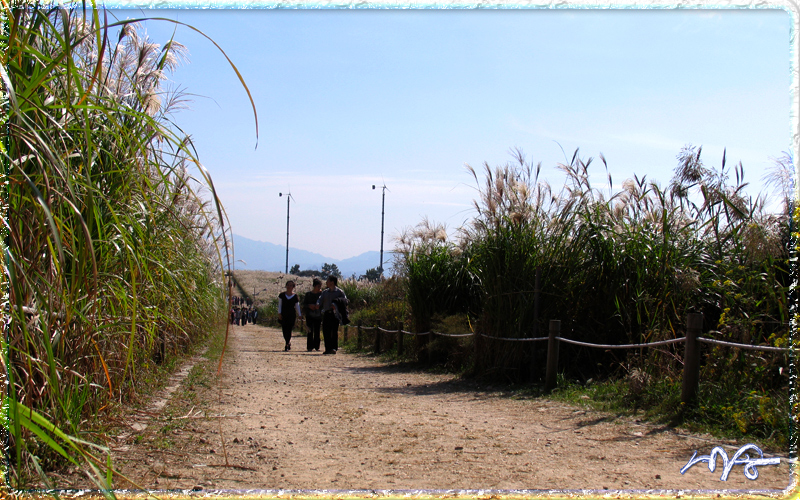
303 420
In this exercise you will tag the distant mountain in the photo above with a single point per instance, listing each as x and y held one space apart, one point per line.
264 256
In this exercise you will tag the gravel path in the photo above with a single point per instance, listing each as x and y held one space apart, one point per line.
301 420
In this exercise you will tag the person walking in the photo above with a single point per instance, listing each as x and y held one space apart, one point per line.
330 322
288 312
254 315
313 315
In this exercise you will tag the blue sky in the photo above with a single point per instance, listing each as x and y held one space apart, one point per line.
351 98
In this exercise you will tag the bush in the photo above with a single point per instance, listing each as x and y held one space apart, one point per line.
616 268
361 293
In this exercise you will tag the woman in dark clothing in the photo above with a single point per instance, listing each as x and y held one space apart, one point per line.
313 315
288 311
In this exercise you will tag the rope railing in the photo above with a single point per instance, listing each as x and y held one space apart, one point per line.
588 344
512 339
453 334
691 351
743 346
423 333
620 346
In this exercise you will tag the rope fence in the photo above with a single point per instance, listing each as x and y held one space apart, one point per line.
691 369
517 339
620 346
588 344
742 346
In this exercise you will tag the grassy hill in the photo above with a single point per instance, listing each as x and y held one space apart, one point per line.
264 286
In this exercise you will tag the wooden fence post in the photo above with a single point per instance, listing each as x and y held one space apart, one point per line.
378 339
400 340
691 358
552 355
358 335
387 339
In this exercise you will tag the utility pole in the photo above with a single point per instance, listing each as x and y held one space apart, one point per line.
383 205
288 199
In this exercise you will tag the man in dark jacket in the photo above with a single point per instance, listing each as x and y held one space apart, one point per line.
330 323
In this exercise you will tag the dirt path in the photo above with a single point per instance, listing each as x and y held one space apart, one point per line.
300 420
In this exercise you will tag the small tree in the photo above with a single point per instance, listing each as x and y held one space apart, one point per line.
373 274
295 269
330 270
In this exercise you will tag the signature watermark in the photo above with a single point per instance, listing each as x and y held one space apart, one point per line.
750 464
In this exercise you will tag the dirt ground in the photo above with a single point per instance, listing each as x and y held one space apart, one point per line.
301 420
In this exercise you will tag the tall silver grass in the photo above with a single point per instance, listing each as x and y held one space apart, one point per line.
115 250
